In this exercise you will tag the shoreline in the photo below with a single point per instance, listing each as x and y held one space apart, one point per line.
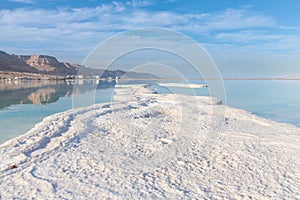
4 75
197 86
154 92
73 154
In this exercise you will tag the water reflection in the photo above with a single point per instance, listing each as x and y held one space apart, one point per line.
25 103
45 92
42 96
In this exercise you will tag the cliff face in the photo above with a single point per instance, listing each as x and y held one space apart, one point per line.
41 64
49 65
14 63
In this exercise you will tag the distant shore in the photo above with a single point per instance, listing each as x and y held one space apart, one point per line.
15 76
9 76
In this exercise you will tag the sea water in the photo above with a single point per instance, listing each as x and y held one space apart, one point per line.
272 99
24 105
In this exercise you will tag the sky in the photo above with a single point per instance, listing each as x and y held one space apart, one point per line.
248 38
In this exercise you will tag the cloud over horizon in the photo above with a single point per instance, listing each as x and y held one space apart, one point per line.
70 33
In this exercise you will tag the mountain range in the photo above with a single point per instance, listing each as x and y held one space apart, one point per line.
50 66
38 64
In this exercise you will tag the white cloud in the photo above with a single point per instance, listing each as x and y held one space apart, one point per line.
231 19
122 16
80 29
248 36
139 3
239 19
118 6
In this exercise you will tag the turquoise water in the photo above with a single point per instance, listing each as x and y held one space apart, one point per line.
24 105
276 100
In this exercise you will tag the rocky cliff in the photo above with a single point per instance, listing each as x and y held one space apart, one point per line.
49 65
40 64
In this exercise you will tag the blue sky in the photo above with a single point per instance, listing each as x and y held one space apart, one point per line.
245 38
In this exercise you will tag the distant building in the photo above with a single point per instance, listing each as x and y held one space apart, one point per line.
71 76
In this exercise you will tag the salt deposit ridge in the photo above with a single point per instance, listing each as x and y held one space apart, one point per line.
153 146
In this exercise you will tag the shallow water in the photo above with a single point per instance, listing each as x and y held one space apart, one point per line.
23 104
276 100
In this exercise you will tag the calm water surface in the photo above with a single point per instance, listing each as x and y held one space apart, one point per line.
276 100
23 104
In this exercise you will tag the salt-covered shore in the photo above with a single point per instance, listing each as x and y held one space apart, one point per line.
153 146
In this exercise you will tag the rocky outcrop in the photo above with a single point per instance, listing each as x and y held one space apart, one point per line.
41 64
50 66
14 63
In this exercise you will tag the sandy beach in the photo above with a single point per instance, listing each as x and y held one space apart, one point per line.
153 146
